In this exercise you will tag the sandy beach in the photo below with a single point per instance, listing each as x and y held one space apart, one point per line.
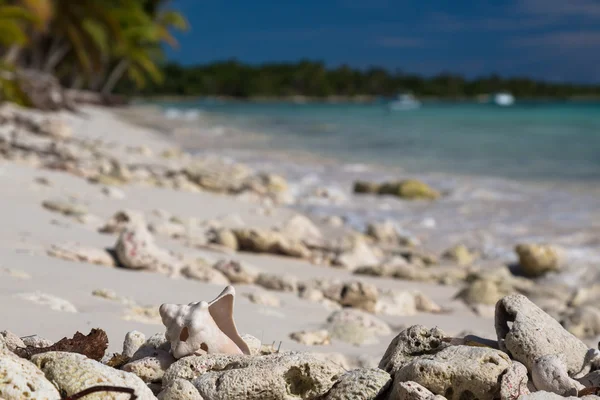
60 192
30 230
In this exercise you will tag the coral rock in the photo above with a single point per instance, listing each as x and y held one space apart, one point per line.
204 273
396 302
460 255
536 260
78 253
458 371
514 382
364 384
264 298
410 344
132 343
150 369
281 283
549 373
533 334
412 391
237 272
359 295
273 377
20 379
263 241
180 389
312 338
72 373
356 327
121 220
135 249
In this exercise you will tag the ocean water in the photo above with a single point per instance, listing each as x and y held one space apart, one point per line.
527 173
528 141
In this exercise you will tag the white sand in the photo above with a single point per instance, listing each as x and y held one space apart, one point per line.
27 230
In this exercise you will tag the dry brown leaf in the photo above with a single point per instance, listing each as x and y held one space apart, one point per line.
92 346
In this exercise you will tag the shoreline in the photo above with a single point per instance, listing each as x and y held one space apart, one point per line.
81 194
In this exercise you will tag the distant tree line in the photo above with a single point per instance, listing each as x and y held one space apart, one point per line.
307 78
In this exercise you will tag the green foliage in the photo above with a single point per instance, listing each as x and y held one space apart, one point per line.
10 90
313 79
89 43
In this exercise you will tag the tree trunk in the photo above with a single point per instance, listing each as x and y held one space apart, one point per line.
12 55
115 76
56 54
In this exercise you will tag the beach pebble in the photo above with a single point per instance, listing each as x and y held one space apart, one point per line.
168 229
281 283
225 237
237 272
263 241
11 341
132 343
363 384
65 208
458 371
53 302
360 255
264 298
312 338
386 232
180 389
410 189
425 304
527 333
72 373
135 249
514 382
204 273
583 322
549 373
20 379
410 344
302 228
460 255
78 253
489 286
537 259
152 347
359 295
397 303
120 220
55 128
356 327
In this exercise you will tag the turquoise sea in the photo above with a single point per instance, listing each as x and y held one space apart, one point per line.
525 173
530 140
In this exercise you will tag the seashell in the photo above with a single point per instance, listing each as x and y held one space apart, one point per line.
203 327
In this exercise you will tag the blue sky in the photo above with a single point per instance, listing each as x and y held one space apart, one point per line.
547 39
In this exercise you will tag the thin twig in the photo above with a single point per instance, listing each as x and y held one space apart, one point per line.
95 389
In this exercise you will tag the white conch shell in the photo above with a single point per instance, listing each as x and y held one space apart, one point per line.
203 326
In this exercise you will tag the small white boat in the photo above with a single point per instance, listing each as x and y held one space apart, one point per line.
404 101
504 99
